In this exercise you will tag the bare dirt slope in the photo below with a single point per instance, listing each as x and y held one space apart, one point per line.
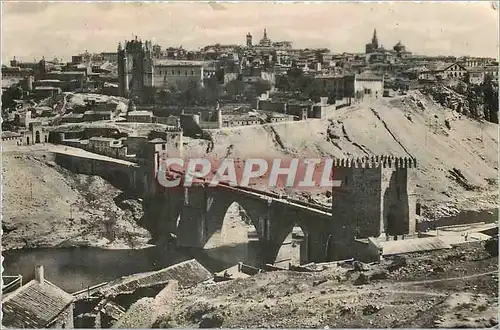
39 199
438 289
411 125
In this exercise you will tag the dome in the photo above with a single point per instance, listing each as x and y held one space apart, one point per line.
399 47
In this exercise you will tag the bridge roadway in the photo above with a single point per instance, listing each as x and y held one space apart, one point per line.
255 193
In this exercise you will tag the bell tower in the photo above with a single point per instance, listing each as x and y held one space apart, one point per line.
249 40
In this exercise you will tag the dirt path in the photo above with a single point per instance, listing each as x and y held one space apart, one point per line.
447 279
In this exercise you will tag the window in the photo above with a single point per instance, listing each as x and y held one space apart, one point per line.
192 72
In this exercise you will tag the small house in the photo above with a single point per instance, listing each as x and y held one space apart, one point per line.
38 304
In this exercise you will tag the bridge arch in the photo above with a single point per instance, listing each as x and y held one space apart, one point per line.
220 207
233 230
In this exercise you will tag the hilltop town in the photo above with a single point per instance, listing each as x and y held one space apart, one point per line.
415 140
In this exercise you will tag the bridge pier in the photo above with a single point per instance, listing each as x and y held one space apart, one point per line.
191 231
275 225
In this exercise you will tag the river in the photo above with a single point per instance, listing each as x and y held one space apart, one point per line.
76 268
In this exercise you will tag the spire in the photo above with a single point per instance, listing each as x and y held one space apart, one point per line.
265 33
375 39
120 46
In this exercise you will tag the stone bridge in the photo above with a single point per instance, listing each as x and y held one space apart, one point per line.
198 212
376 198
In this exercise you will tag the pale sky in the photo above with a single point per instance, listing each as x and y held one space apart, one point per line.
32 30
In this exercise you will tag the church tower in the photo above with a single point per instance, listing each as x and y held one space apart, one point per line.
249 40
375 39
123 78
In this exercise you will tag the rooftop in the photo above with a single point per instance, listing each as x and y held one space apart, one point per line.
100 138
8 134
157 140
73 115
46 88
34 305
189 273
140 113
178 63
98 112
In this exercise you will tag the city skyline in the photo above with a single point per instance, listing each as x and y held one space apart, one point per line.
33 30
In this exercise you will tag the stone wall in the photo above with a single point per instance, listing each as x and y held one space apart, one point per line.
120 175
377 196
65 319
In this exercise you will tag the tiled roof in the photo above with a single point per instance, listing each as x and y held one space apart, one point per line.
34 305
189 273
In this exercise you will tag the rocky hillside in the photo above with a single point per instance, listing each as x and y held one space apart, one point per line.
457 156
45 205
454 288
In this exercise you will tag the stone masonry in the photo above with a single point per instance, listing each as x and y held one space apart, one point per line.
376 198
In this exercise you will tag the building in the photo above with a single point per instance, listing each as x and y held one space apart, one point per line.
170 120
139 71
444 71
42 92
492 71
178 73
96 115
472 62
249 40
107 146
335 86
140 116
368 86
38 304
135 67
72 118
373 46
401 51
11 138
477 75
35 134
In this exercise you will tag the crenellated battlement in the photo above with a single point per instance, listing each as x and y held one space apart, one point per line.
375 162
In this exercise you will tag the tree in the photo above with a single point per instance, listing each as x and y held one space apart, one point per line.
490 91
262 86
235 88
13 93
282 82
